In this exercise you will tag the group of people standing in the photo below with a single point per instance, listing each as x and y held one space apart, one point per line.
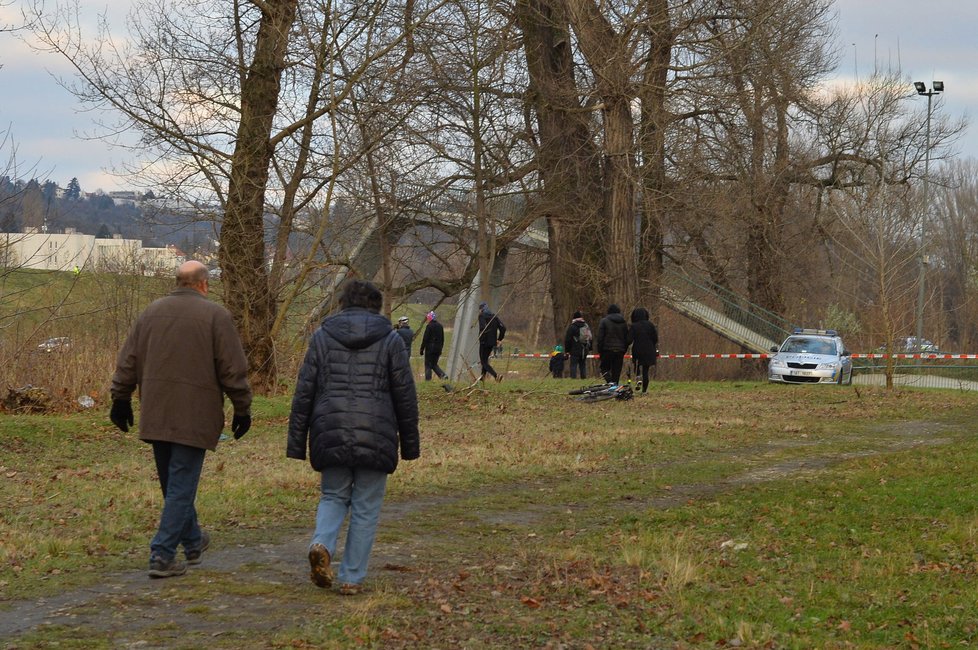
614 337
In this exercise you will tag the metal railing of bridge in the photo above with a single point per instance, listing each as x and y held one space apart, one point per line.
723 311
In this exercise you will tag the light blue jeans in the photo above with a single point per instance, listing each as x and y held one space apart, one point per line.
361 493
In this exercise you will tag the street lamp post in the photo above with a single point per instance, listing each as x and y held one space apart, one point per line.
936 89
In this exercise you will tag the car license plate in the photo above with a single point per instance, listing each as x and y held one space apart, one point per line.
803 373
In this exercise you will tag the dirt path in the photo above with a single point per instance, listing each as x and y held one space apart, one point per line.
265 588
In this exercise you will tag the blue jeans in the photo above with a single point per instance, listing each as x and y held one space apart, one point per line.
178 467
361 493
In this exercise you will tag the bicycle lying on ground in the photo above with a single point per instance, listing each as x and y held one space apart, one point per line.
602 392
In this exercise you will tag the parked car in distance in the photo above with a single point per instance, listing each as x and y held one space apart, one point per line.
811 356
56 344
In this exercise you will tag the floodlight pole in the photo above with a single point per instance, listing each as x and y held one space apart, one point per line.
922 90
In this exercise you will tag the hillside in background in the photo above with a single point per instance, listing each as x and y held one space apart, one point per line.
48 207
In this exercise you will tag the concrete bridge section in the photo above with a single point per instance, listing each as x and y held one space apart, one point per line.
737 320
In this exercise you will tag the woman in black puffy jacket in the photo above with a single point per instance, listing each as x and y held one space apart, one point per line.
644 339
355 405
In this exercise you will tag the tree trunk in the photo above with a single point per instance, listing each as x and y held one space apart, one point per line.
654 118
242 252
570 196
619 208
609 55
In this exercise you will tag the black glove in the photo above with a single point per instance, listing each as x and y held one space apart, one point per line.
240 425
121 414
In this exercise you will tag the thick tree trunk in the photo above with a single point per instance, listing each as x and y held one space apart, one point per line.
570 197
242 252
609 55
619 174
765 235
654 118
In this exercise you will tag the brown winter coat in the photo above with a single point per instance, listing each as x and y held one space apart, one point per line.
184 354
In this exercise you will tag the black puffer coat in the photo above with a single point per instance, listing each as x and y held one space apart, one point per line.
355 399
612 334
643 337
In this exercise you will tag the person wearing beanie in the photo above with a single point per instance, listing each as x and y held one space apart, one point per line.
644 339
557 362
491 333
404 330
432 343
577 345
612 343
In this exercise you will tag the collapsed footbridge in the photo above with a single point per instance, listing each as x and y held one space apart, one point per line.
716 308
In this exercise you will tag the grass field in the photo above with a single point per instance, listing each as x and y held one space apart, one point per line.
697 516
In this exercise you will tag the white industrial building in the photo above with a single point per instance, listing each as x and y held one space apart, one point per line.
72 250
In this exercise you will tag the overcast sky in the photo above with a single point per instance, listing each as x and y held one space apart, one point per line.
928 39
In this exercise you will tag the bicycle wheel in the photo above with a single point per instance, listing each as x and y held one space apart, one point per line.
596 397
597 388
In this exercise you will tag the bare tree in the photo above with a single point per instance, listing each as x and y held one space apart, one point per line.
221 92
953 229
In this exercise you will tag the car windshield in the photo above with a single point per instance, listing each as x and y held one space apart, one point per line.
809 346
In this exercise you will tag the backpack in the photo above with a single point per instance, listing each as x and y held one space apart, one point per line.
584 336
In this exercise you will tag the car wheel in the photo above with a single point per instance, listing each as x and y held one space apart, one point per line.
849 383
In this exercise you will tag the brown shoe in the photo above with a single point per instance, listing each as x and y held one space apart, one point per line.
160 568
350 589
319 561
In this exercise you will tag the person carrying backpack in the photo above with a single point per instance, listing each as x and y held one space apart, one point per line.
577 345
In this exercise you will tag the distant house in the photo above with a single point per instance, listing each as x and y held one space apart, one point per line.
125 197
162 261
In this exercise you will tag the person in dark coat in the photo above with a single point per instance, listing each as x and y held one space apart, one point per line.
432 343
405 332
644 339
612 342
184 354
356 407
577 345
491 333
557 362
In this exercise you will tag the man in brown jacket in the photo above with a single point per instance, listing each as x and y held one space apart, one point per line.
184 354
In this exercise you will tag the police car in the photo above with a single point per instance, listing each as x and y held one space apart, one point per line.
811 356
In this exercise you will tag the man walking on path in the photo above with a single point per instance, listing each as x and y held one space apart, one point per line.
491 333
432 343
184 354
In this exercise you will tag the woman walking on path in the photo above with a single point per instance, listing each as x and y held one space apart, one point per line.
356 405
644 339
